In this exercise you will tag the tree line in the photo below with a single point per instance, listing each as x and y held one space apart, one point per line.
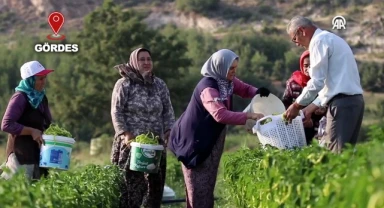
79 91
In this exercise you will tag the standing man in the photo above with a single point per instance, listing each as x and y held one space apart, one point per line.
334 77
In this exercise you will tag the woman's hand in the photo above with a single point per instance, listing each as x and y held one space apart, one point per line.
128 138
166 138
254 116
37 136
308 111
308 123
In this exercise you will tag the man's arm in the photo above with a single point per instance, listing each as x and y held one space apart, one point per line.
318 73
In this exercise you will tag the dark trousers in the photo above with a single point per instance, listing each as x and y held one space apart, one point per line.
309 134
344 118
142 189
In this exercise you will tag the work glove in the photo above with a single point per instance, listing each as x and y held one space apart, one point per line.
264 92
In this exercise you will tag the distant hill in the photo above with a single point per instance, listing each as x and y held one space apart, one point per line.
364 29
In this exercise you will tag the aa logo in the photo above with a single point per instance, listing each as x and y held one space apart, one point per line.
338 22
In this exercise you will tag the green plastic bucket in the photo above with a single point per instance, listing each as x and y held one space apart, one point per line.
145 157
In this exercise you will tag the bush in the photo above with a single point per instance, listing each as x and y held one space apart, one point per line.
95 186
174 177
309 177
372 76
199 6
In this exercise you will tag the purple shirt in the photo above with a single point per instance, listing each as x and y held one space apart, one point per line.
15 109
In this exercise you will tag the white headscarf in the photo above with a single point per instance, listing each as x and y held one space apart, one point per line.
217 67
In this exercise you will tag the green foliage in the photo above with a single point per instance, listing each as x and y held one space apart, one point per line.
174 177
376 132
266 10
199 6
277 72
79 91
331 6
379 109
372 76
7 19
258 54
108 37
94 186
292 64
309 177
267 29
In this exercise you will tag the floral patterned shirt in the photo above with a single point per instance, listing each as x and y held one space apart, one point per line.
138 108
292 91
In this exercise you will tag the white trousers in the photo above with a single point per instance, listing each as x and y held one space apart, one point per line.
12 166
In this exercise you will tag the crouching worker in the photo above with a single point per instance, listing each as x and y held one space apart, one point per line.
294 88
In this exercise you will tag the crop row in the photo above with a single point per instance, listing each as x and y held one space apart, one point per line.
308 177
91 186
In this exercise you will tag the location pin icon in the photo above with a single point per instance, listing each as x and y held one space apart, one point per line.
56 21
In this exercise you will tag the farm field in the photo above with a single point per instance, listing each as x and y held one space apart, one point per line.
243 164
181 35
249 177
82 163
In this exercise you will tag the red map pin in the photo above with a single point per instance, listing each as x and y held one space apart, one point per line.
56 21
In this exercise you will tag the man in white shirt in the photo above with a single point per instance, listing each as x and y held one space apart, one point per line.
334 78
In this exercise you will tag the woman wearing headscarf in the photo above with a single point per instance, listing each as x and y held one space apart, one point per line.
26 117
197 138
140 103
294 87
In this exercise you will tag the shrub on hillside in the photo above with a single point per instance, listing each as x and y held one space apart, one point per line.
372 76
199 6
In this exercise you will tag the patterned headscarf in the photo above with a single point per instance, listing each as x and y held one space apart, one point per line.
217 67
28 87
132 69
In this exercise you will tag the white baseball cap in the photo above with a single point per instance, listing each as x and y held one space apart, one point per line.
33 68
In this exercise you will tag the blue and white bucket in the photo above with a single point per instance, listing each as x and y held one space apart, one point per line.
56 153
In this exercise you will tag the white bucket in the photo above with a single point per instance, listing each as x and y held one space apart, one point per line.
168 193
145 157
56 153
266 105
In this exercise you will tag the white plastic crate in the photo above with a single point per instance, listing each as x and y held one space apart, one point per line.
276 132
